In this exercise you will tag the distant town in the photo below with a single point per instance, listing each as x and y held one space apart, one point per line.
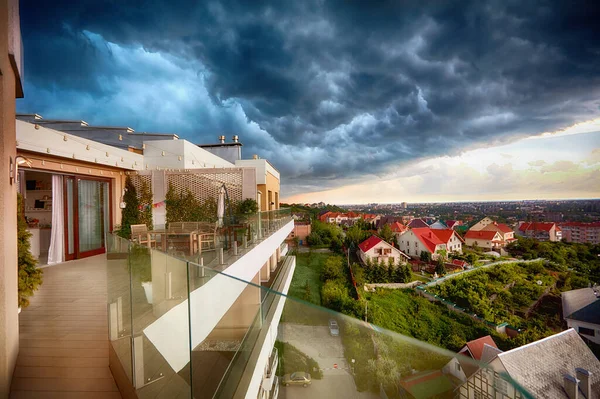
481 279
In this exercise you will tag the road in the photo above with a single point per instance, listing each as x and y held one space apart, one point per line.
317 343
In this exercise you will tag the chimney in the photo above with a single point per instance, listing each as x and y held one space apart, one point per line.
254 156
236 139
572 386
585 377
222 139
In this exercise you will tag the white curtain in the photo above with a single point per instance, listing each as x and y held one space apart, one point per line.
57 239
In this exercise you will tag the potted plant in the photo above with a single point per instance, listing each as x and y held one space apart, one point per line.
29 275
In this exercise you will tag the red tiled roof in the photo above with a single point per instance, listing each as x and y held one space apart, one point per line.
443 234
476 346
398 227
504 228
483 235
427 237
451 223
369 243
536 226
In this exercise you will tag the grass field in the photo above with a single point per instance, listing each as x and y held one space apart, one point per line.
308 269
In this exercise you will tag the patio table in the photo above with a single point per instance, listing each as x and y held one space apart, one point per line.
166 233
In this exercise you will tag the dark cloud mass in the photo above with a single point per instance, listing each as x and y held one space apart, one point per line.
328 90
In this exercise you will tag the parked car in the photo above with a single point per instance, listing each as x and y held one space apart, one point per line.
334 329
297 378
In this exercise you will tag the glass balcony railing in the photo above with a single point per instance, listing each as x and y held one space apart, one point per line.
217 244
184 330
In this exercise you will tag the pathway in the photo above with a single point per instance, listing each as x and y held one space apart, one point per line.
64 336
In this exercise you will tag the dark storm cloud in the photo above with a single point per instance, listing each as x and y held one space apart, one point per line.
328 89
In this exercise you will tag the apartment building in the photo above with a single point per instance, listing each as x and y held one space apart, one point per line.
581 232
542 231
73 190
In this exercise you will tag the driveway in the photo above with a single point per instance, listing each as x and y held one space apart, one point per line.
328 351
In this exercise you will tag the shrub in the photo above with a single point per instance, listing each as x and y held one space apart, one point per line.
29 276
131 213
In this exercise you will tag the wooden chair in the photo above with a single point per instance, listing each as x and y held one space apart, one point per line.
206 236
140 235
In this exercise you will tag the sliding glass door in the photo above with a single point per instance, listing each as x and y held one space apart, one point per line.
93 216
87 216
70 223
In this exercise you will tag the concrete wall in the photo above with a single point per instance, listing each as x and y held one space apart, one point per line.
9 322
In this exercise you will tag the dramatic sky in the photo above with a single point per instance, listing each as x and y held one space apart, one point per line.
353 101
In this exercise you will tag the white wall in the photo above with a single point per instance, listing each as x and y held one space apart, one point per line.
170 334
576 324
52 142
262 167
269 343
192 156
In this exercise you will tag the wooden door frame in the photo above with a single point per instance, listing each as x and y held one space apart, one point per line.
75 220
85 254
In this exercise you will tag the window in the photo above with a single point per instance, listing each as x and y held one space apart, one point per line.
501 385
457 366
587 331
416 244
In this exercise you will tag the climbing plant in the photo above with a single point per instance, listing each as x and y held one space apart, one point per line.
145 205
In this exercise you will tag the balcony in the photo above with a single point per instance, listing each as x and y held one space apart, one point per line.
178 329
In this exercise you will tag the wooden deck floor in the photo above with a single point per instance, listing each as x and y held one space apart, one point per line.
64 336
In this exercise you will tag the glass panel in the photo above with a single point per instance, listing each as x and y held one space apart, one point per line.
70 216
91 215
119 301
202 333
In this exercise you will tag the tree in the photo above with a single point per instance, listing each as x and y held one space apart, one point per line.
307 294
425 256
387 234
333 269
131 212
440 269
355 235
30 277
145 203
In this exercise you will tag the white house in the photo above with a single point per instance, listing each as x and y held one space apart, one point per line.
581 311
419 239
451 238
489 240
375 248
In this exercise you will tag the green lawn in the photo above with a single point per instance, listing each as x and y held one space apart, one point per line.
308 269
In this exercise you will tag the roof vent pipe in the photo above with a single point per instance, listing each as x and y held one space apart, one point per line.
222 139
236 139
585 377
572 386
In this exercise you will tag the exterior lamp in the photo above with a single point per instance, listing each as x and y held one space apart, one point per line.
14 167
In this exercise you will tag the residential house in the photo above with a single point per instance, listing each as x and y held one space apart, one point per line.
398 229
417 240
301 232
557 367
507 234
581 311
541 231
487 240
453 223
417 223
452 239
581 232
481 350
376 249
481 224
438 224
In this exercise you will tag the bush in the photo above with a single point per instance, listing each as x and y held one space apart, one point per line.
29 276
333 268
131 213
